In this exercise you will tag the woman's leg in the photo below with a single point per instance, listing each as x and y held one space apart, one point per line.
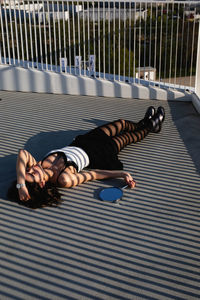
119 126
129 137
124 132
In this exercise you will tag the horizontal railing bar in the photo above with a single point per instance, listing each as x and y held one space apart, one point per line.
190 2
138 1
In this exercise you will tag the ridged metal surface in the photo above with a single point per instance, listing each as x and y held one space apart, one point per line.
146 247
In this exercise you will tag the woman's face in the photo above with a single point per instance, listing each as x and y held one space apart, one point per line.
36 174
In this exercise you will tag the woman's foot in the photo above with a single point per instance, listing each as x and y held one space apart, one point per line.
161 113
149 113
157 120
148 116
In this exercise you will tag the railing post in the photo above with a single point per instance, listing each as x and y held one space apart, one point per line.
197 80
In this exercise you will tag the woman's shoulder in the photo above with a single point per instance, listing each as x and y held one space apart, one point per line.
49 158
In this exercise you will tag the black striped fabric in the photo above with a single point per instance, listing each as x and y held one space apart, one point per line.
74 154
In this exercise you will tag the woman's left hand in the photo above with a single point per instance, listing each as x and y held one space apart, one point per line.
129 180
24 194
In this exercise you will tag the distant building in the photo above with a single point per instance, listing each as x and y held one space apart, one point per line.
37 10
146 73
11 2
109 14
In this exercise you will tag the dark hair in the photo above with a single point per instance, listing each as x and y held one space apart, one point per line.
40 197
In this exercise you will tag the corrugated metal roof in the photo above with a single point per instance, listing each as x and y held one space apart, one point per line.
145 247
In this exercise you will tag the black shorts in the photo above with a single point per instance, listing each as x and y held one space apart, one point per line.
100 148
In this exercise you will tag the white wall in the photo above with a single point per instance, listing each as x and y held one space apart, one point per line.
31 80
196 96
197 81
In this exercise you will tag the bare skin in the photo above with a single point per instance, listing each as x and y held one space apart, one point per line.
49 170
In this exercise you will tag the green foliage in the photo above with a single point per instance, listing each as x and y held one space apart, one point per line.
43 43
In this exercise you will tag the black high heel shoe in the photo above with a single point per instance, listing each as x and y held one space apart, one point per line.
149 113
148 116
161 113
157 120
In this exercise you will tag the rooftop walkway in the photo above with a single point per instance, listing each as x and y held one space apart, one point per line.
146 247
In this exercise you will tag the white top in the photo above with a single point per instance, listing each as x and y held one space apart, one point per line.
75 154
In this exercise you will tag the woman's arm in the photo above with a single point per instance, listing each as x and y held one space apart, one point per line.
24 160
68 179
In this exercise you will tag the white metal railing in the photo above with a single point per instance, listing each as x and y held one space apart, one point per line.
146 42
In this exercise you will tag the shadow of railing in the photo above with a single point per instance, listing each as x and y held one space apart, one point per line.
146 247
187 121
